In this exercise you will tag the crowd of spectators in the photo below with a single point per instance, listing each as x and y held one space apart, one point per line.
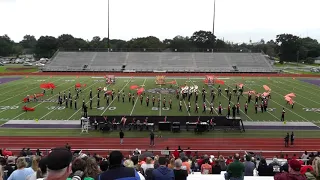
62 164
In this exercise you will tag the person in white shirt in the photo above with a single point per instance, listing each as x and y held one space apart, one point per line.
147 165
305 155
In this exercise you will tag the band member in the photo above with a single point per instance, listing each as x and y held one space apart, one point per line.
219 91
70 103
234 111
153 101
204 96
164 102
83 104
98 102
189 96
203 90
90 103
108 100
292 138
141 99
105 95
59 97
238 108
64 95
177 93
77 97
123 96
204 107
85 111
197 108
158 101
67 102
230 95
196 96
292 104
265 105
213 96
133 99
229 109
256 107
257 97
34 97
44 91
98 95
211 108
119 95
69 94
189 107
261 107
147 101
180 106
212 92
211 123
238 97
170 103
286 140
249 97
75 104
220 108
112 94
246 108
282 115
51 90
129 96
227 91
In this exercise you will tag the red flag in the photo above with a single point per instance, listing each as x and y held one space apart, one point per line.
133 87
25 108
140 91
219 82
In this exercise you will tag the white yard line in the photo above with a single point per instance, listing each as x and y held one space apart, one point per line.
137 98
183 100
25 92
19 88
22 102
309 86
294 101
72 96
115 98
44 101
233 103
282 106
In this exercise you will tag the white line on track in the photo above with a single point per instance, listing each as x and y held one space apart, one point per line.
115 97
22 93
72 96
137 98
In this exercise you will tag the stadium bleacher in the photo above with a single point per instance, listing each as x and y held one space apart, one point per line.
159 61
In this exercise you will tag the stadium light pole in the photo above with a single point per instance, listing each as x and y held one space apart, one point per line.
214 18
108 26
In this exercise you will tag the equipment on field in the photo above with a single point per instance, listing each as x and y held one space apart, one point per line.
160 80
110 79
209 80
85 125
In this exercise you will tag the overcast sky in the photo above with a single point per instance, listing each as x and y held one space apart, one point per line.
236 20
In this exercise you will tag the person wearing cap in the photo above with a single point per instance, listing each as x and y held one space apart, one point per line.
117 170
59 164
293 174
22 171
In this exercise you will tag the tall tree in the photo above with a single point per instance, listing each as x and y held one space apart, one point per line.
203 39
289 46
46 46
6 46
66 41
29 42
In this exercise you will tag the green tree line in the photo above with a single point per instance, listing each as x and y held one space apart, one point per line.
286 47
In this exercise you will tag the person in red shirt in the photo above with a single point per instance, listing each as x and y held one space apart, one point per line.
229 160
176 154
294 156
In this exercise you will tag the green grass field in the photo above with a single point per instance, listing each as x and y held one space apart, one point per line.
17 68
12 94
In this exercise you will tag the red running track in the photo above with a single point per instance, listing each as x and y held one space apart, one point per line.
225 146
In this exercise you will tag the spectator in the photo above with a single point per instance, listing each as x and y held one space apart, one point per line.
137 166
38 153
117 170
6 152
59 164
216 169
128 163
185 165
176 154
305 155
294 172
206 168
104 165
248 166
188 152
179 174
29 153
222 163
229 160
194 165
181 154
1 173
263 168
92 169
42 171
22 172
235 169
294 156
275 166
163 173
68 146
315 174
171 163
147 165
77 165
5 166
35 163
23 152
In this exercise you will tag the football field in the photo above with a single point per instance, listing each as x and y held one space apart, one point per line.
14 89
